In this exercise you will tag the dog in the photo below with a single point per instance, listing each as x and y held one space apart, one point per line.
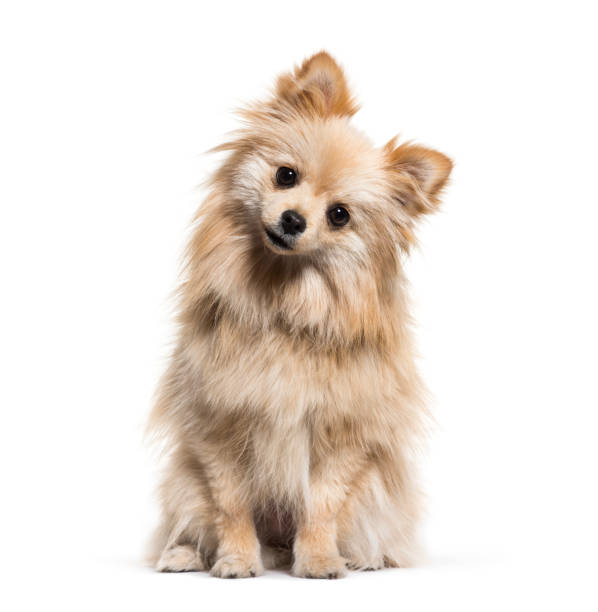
291 408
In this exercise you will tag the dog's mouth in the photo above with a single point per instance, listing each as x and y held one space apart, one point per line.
280 241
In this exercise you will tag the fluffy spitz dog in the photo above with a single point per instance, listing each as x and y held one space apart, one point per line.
291 408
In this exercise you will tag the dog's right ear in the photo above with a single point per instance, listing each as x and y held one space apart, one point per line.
317 87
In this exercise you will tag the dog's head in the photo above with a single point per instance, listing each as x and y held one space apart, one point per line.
310 184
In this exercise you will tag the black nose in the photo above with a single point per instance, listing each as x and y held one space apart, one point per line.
292 222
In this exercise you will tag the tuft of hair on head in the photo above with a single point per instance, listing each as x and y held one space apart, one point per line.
317 87
417 175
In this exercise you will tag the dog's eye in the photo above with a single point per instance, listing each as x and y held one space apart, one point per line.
338 215
286 177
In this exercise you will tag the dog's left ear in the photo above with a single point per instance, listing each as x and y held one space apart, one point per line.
317 87
417 175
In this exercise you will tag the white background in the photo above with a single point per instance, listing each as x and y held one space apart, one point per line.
106 110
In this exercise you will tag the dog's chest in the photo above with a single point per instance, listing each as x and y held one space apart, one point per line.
283 378
288 394
280 462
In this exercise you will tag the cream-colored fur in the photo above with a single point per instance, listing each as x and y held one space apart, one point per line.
291 408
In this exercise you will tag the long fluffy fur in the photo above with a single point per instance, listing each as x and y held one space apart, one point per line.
292 408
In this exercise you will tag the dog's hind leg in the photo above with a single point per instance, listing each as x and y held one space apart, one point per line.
185 537
376 525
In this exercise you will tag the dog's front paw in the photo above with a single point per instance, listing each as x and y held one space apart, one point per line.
237 566
317 566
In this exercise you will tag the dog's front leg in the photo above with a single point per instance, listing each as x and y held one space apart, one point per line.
315 548
238 551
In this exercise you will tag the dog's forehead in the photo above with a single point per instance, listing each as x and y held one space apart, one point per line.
333 155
